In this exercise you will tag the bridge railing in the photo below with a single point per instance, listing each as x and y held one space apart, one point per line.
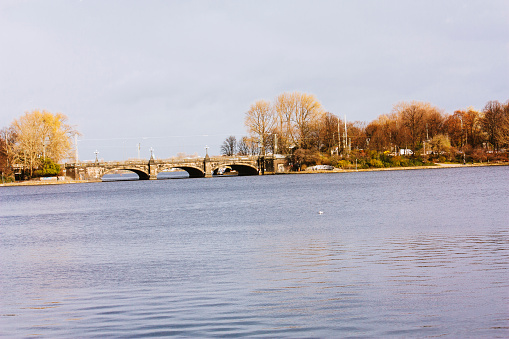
104 163
161 161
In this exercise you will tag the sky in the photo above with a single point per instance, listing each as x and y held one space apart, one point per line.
178 76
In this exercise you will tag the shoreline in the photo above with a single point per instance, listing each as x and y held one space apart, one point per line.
402 168
335 171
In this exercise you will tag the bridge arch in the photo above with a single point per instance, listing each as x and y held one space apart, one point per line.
141 174
242 169
194 172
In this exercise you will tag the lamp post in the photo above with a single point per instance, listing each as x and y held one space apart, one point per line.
76 145
151 153
96 152
206 150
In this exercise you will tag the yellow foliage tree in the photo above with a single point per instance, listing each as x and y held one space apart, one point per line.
260 120
298 115
40 135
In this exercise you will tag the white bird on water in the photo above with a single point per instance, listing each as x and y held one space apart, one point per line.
320 212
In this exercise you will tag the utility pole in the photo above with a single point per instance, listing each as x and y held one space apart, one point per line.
464 161
345 138
339 136
76 144
346 132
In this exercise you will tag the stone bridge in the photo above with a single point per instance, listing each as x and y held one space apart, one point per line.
196 167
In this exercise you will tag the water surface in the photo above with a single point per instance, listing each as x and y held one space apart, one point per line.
421 253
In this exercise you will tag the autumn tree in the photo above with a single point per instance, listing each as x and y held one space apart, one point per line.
7 140
453 128
464 127
308 112
284 107
504 131
495 123
472 124
329 131
298 118
378 132
40 135
417 118
433 121
357 138
229 146
492 121
260 120
386 133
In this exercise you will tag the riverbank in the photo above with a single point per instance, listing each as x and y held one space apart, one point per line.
46 183
336 170
401 168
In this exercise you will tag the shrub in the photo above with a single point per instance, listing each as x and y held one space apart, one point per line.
344 164
7 178
48 169
396 161
376 163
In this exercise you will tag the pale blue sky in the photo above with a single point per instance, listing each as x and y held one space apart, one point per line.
165 73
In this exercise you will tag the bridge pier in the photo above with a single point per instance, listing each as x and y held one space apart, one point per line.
207 167
152 169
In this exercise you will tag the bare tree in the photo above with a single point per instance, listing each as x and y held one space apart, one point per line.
247 146
229 146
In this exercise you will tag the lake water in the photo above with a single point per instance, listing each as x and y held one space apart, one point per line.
422 253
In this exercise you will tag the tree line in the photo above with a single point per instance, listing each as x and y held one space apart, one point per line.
35 144
297 126
412 133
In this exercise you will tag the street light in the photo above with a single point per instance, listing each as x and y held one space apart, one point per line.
96 152
206 150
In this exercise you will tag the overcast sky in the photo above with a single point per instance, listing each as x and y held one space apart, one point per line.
166 73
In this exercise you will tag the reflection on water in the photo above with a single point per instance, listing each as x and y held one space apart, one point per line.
399 254
130 176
